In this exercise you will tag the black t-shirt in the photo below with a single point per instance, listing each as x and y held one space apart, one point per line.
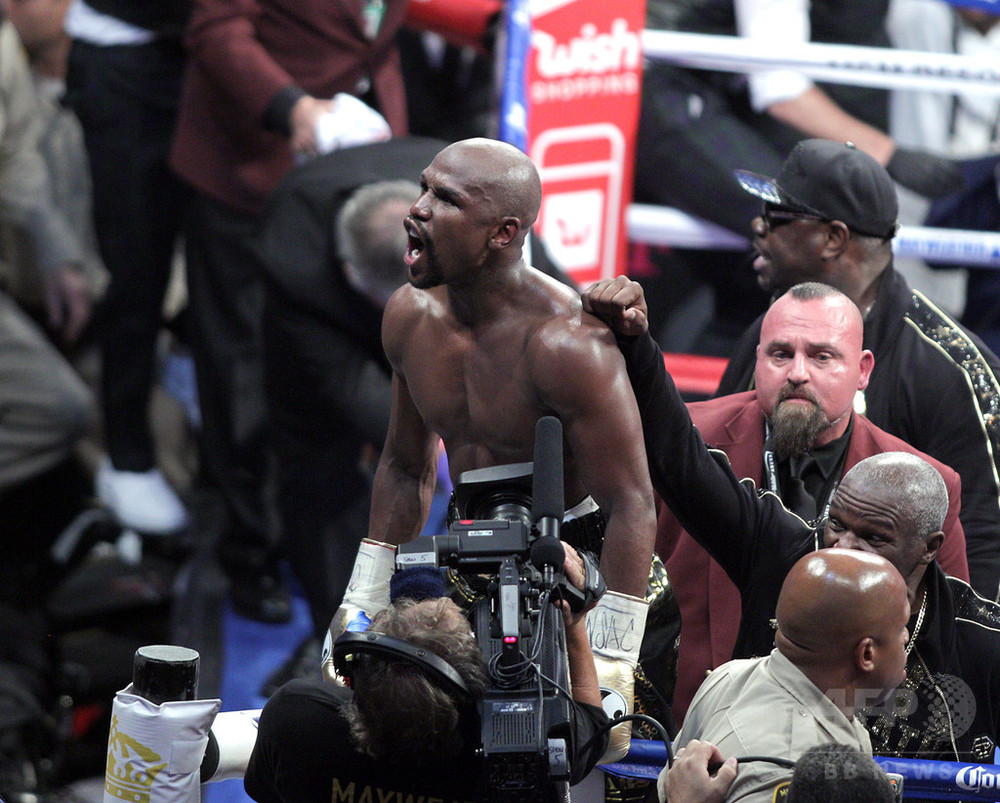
304 754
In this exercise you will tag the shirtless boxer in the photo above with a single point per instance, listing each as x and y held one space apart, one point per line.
482 345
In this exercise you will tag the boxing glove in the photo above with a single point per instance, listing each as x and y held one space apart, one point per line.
367 593
615 628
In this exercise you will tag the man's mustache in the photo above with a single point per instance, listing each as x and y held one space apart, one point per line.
791 392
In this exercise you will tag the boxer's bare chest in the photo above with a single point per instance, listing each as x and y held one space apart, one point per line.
474 388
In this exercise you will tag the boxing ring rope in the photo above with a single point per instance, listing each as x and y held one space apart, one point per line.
884 67
935 780
846 64
664 225
233 734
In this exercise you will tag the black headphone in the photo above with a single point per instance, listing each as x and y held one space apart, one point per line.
350 645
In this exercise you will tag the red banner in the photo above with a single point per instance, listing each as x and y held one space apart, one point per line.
584 75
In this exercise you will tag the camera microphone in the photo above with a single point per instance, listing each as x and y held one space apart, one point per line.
547 498
548 504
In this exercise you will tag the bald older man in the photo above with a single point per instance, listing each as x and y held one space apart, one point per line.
796 435
840 644
893 504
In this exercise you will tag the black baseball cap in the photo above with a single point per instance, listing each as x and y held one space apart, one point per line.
834 180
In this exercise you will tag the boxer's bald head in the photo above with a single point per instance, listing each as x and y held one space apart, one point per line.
479 198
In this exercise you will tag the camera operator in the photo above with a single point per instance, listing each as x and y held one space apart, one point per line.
400 731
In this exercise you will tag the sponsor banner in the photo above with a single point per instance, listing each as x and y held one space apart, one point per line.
945 780
582 89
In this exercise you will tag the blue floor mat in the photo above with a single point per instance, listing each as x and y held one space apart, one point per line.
252 652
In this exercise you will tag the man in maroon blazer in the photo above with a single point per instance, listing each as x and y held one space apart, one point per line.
796 435
261 74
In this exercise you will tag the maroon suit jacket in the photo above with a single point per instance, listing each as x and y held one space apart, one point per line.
241 54
709 602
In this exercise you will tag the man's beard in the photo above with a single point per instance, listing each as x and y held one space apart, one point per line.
795 427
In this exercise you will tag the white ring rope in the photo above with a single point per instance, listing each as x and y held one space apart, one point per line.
663 225
842 64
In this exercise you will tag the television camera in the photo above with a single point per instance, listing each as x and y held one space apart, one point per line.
509 531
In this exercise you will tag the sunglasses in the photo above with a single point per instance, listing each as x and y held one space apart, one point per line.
774 216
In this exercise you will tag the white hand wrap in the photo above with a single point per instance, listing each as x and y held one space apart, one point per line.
367 593
616 627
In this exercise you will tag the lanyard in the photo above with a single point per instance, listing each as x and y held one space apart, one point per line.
771 469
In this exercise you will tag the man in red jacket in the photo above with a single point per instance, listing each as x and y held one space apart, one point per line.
796 436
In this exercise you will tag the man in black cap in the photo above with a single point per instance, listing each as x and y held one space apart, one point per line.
830 216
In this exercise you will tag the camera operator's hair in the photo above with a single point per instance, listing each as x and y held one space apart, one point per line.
401 713
838 773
